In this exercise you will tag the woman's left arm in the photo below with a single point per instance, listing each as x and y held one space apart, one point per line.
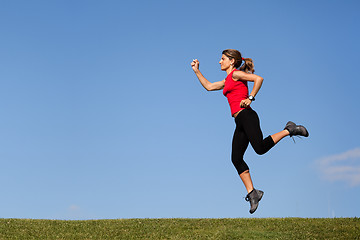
243 76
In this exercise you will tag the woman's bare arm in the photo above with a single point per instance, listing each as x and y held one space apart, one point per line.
243 76
209 86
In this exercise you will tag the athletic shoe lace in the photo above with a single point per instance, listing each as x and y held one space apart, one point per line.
294 138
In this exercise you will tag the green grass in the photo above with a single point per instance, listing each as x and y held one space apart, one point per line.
148 229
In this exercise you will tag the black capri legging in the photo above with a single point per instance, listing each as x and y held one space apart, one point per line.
248 130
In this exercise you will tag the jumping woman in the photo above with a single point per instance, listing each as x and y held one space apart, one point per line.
235 89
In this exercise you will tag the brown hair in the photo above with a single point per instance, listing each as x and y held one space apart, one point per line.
248 65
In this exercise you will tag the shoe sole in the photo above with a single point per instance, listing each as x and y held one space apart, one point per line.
261 194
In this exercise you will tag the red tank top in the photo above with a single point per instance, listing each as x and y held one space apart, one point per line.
235 91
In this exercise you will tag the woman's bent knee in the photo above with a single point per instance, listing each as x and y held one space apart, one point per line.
260 150
240 165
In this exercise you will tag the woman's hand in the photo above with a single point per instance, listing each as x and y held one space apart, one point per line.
245 103
195 64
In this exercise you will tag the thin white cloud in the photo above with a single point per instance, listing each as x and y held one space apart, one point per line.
74 208
341 167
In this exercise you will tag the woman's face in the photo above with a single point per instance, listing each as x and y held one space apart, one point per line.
225 62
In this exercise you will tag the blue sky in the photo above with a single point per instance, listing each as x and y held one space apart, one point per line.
102 116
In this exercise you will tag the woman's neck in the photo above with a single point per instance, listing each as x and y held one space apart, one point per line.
229 70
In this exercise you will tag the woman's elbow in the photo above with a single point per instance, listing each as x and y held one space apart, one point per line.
207 88
260 79
210 88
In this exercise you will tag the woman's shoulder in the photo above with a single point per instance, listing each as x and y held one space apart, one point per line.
238 74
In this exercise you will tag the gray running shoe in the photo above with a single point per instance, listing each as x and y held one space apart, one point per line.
296 130
254 198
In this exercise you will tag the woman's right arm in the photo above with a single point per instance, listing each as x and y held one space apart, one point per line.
204 82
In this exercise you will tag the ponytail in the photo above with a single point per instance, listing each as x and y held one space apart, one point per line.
248 65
